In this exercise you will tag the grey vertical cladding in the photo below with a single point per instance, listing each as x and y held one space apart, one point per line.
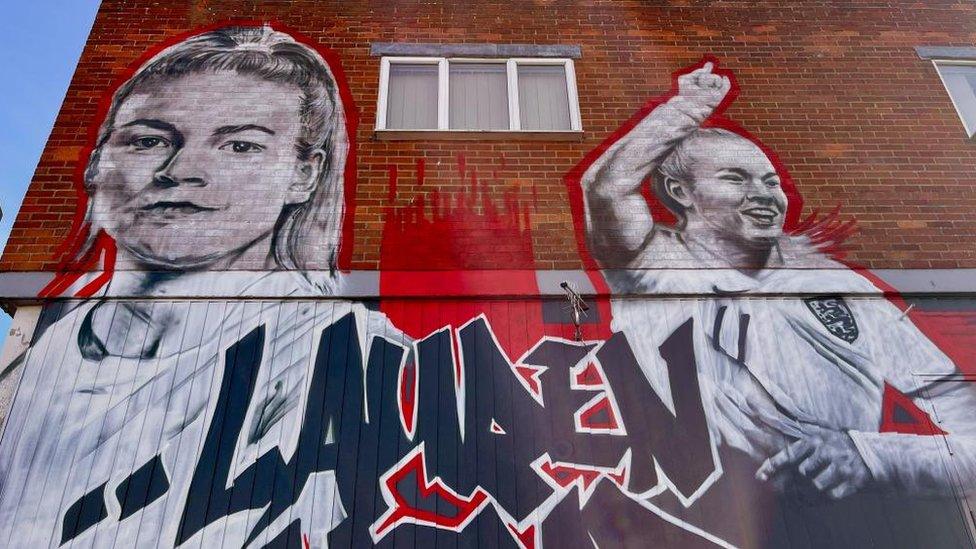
349 427
678 442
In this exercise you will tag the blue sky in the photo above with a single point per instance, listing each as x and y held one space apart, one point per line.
40 42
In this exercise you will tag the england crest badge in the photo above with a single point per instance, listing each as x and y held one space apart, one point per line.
835 315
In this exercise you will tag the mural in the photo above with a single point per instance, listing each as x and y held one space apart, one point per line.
723 416
809 389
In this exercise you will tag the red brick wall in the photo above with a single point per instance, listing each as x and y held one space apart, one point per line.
837 91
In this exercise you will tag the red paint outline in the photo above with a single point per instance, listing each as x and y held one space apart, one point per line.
792 223
574 177
71 266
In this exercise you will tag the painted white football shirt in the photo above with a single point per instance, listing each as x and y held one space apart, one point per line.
771 370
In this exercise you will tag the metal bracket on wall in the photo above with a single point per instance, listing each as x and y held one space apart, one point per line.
578 306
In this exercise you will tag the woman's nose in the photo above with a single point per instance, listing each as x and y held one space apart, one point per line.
184 167
757 188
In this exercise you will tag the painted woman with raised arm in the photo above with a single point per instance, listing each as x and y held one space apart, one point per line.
803 385
724 191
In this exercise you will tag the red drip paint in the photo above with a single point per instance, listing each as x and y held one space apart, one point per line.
900 415
74 255
391 191
420 171
457 230
462 166
460 244
305 542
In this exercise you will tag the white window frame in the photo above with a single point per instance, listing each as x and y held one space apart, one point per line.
443 81
938 64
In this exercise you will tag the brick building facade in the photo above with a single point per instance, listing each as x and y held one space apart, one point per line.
836 89
822 291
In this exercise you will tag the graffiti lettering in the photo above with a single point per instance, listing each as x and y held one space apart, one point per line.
489 456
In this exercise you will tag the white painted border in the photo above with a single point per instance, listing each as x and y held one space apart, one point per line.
443 93
383 94
514 114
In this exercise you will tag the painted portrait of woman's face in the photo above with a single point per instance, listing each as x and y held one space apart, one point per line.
198 169
737 191
224 151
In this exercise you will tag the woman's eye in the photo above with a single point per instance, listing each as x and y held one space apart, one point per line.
731 178
241 147
772 182
149 142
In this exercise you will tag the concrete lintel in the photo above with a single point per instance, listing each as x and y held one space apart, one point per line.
18 288
946 52
930 281
474 50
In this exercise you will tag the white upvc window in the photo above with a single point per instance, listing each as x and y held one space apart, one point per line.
477 95
959 79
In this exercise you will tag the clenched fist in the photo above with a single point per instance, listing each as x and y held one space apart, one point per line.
703 90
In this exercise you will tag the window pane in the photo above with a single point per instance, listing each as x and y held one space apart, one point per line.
960 80
478 96
411 102
543 98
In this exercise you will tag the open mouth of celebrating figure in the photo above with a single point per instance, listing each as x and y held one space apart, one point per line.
761 215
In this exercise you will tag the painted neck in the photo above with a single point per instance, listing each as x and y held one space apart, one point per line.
135 275
731 250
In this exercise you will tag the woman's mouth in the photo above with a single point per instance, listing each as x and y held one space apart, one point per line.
762 216
174 209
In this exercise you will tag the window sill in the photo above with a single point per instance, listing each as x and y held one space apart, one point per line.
476 135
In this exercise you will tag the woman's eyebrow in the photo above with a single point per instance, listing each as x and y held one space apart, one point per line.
224 130
152 123
736 171
770 175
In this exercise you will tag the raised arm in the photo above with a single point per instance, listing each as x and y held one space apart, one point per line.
618 220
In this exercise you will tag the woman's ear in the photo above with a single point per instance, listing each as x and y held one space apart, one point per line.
308 172
91 169
677 191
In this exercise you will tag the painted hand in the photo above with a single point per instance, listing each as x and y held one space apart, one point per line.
828 459
703 89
